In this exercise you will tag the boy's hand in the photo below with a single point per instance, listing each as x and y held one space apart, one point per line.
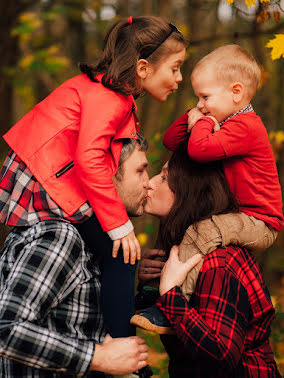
131 248
193 116
216 123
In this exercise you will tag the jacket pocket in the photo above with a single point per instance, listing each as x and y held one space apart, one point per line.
64 169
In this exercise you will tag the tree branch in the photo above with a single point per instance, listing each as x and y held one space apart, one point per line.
278 27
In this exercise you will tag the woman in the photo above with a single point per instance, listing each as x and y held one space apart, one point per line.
223 330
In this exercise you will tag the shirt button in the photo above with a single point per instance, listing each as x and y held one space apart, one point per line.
133 134
138 124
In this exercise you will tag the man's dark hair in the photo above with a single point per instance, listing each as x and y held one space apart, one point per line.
128 148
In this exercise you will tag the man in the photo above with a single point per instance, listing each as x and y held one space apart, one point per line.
50 315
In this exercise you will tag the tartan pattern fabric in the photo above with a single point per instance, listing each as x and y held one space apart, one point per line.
23 200
50 316
246 109
223 330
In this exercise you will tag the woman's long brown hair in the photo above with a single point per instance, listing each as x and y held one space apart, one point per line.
201 190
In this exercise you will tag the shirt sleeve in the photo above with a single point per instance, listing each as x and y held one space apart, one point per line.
231 140
100 123
214 331
45 271
176 134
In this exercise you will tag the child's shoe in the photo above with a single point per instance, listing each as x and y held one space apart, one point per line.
146 297
153 319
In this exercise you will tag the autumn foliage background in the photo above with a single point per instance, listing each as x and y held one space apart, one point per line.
42 41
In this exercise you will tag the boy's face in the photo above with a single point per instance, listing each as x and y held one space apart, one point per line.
214 98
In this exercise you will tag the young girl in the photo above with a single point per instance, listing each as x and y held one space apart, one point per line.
65 151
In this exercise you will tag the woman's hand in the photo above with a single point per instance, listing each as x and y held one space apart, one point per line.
149 267
174 272
131 248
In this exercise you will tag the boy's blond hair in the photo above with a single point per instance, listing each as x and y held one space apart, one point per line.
232 63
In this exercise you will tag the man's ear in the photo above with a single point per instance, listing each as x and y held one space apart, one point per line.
237 92
142 68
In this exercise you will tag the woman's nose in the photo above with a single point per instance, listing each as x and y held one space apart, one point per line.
151 183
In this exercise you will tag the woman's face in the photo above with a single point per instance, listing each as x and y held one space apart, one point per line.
160 198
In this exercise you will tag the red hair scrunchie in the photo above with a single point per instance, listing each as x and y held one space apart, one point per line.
130 19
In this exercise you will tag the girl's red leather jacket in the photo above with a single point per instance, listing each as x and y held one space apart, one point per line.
71 142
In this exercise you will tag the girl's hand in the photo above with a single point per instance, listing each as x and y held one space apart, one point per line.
131 248
193 116
149 267
174 272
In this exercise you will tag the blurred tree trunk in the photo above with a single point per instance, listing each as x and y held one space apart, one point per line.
9 12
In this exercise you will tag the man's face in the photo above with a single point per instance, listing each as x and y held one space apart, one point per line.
132 184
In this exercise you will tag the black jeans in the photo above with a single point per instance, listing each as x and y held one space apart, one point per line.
118 279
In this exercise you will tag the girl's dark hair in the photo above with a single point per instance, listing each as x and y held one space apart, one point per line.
125 43
201 190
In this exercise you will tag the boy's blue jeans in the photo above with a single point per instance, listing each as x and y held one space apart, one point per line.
118 279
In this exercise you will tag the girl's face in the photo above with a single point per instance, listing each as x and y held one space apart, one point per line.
160 198
163 78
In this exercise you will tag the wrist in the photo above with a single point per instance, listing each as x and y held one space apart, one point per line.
97 361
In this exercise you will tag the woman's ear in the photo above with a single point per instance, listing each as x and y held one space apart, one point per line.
237 92
142 68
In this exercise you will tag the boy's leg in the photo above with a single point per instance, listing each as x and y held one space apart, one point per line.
221 230
202 237
244 230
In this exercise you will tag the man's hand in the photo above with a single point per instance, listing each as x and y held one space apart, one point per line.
174 272
120 356
131 248
193 116
149 268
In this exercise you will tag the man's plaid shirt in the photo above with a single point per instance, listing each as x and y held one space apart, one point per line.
50 316
223 331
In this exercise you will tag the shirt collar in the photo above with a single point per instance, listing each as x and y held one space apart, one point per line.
246 109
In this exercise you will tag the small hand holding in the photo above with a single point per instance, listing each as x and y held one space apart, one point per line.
216 123
193 116
131 248
174 272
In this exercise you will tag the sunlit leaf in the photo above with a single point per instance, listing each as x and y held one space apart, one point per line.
142 238
277 45
250 3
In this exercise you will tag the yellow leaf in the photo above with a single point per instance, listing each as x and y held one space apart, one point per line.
26 61
265 1
142 238
277 45
250 3
229 1
157 137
